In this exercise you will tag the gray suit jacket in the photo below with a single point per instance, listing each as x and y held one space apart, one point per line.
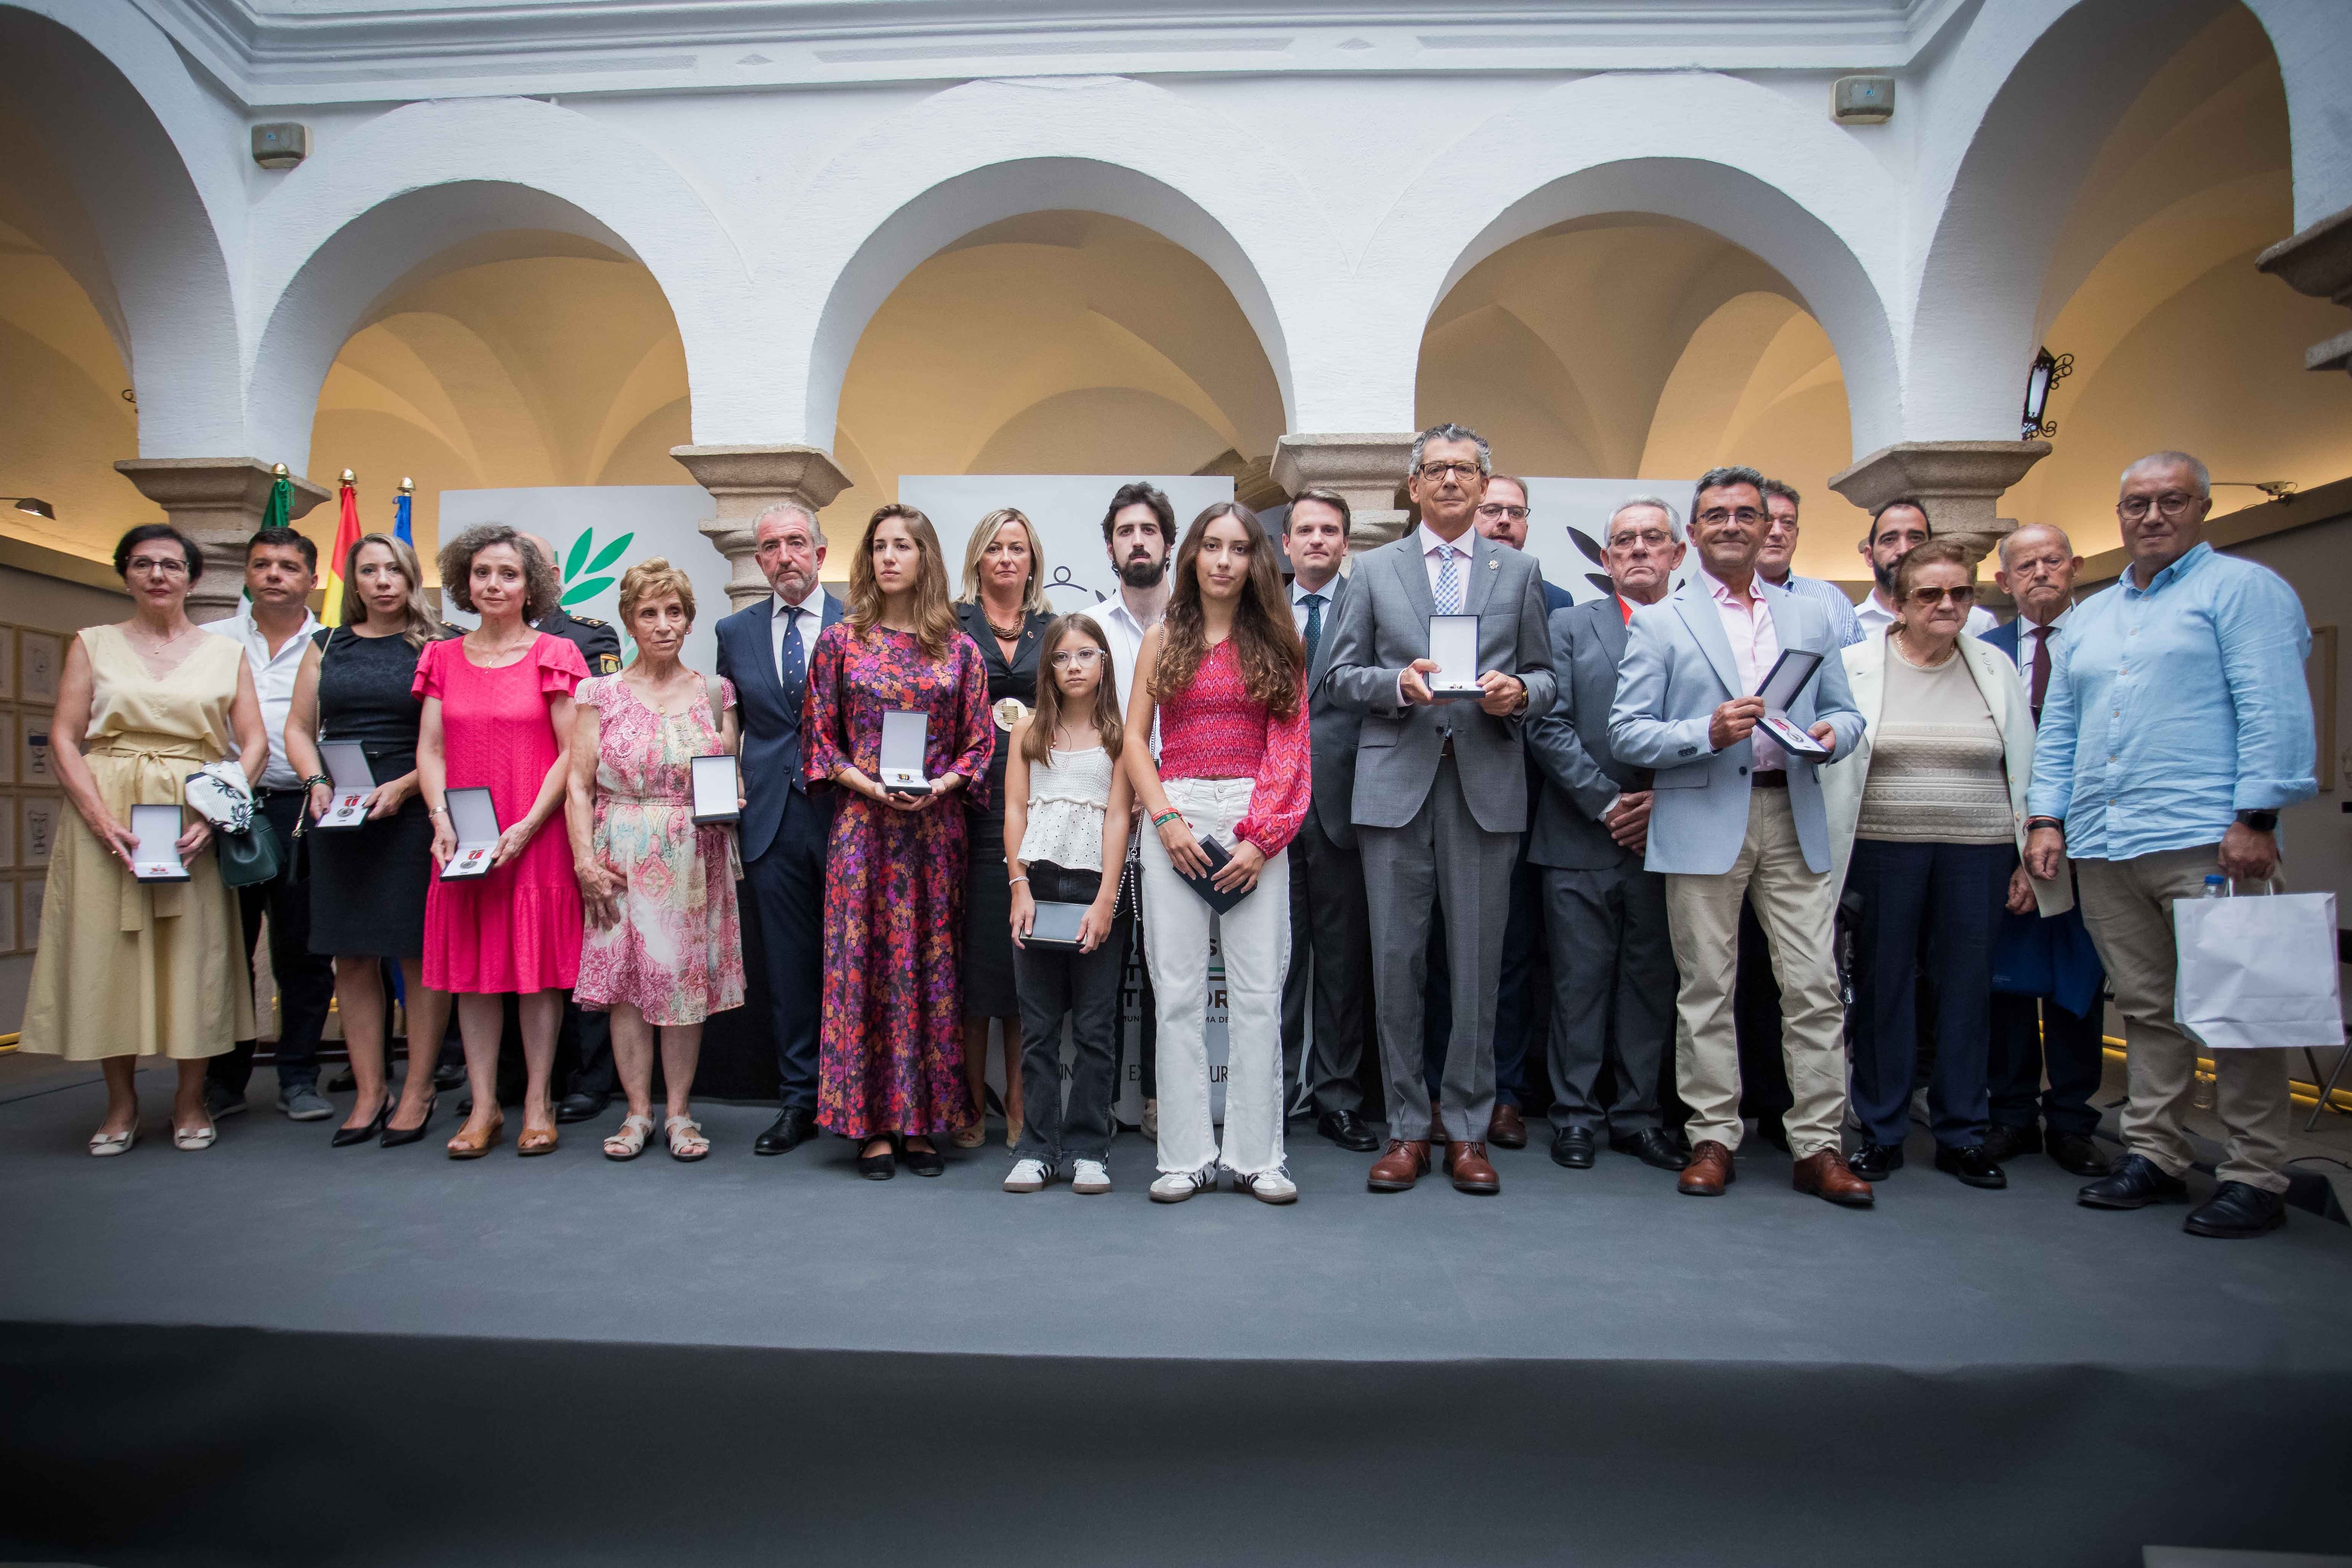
1676 671
1571 744
1334 730
1383 626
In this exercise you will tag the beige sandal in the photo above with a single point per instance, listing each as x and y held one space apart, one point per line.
686 1139
970 1136
630 1141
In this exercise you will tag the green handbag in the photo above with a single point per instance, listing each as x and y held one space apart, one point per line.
249 858
242 840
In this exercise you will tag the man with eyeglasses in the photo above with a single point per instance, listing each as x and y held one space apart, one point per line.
2175 727
1896 529
1776 563
764 649
1441 793
1734 814
2058 1029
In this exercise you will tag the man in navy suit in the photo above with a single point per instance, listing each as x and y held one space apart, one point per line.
764 649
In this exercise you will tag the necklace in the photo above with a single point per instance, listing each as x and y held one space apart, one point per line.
167 642
494 650
1003 634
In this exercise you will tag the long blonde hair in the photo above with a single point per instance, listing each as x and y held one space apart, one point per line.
975 550
935 619
423 626
1039 741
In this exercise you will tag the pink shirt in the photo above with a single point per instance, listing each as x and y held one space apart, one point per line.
1211 730
1754 645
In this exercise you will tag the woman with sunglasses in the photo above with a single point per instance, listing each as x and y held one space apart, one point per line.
1927 829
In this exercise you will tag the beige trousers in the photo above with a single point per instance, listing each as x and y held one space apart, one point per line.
2127 907
1797 911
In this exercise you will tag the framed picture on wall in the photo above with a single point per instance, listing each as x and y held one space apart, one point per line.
7 839
40 655
29 894
34 766
8 926
7 664
38 818
8 746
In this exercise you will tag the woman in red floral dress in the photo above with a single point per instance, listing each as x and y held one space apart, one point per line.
890 1067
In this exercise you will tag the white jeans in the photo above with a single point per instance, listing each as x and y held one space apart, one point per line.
1256 945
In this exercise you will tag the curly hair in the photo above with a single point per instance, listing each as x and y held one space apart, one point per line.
1265 643
654 578
540 587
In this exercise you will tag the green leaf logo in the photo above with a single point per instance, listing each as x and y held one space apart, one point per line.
578 588
580 593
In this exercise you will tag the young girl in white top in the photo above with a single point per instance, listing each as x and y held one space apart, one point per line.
1065 818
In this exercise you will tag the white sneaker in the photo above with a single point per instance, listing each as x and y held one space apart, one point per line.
1028 1176
1089 1177
1177 1185
1273 1186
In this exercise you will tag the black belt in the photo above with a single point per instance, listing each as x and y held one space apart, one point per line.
1769 778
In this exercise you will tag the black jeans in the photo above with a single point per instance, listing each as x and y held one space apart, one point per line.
1055 983
2027 1033
306 982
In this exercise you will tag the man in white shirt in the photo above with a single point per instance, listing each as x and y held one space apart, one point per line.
274 626
1896 529
1774 563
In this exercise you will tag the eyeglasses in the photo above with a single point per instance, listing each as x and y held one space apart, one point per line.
1496 508
157 565
1928 598
1071 658
1746 516
1436 472
2171 504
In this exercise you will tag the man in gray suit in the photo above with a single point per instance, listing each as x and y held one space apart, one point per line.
1328 924
1734 814
1613 961
1441 792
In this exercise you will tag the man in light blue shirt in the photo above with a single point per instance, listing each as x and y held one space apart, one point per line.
2175 727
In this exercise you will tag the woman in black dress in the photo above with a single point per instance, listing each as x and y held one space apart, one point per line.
368 881
1004 610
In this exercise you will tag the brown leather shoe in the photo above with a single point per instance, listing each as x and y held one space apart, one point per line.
1709 1171
1404 1163
1507 1129
1467 1163
1826 1175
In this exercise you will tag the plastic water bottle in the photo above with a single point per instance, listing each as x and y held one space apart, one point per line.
2217 886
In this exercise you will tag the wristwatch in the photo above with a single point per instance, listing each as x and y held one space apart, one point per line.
2260 821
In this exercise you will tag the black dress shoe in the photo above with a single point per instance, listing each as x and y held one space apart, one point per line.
1973 1164
879 1167
1348 1130
2003 1143
1652 1148
449 1077
1574 1149
788 1131
582 1107
2236 1211
393 1137
2077 1154
1876 1162
2133 1183
346 1136
342 1082
923 1162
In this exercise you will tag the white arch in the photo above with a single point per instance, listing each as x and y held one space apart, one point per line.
2312 40
385 199
986 150
1712 150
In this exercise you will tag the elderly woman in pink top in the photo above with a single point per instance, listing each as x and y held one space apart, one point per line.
1225 676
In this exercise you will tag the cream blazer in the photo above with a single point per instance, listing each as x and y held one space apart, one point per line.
2004 693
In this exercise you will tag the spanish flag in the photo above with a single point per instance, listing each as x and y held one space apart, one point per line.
347 534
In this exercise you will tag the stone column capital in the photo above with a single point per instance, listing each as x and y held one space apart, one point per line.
1366 469
744 481
1961 482
2318 262
217 502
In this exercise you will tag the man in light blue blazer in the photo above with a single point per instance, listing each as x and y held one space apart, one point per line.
1734 815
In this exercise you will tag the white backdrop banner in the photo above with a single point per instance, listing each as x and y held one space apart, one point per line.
600 531
1568 520
1068 511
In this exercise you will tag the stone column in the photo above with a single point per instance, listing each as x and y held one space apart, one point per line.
1959 482
746 482
1370 471
2318 262
218 502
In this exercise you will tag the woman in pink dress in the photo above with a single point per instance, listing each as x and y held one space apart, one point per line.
497 715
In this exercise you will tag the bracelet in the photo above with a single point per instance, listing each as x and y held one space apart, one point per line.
315 780
1016 881
1165 817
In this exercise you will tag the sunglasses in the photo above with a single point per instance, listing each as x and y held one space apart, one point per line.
1928 598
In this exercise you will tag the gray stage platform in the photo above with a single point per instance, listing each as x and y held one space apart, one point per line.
1588 1368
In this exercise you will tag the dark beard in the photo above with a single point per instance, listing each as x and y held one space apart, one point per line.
1886 575
1143 574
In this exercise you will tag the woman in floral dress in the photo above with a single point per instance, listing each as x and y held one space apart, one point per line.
890 1069
664 947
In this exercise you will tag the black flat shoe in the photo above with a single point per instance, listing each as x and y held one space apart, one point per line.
923 1162
2002 1144
879 1167
1653 1149
2134 1183
1574 1149
342 1082
2077 1154
2236 1212
1973 1165
1876 1162
580 1107
393 1137
346 1136
1348 1130
788 1131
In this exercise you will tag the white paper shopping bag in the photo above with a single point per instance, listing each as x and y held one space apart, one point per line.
2259 972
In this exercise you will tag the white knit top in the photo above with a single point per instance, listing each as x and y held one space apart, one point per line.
1069 793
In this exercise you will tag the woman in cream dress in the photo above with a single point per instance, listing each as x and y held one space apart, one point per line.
128 969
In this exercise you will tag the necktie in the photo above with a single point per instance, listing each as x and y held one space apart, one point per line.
2041 669
1449 581
1314 603
792 668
